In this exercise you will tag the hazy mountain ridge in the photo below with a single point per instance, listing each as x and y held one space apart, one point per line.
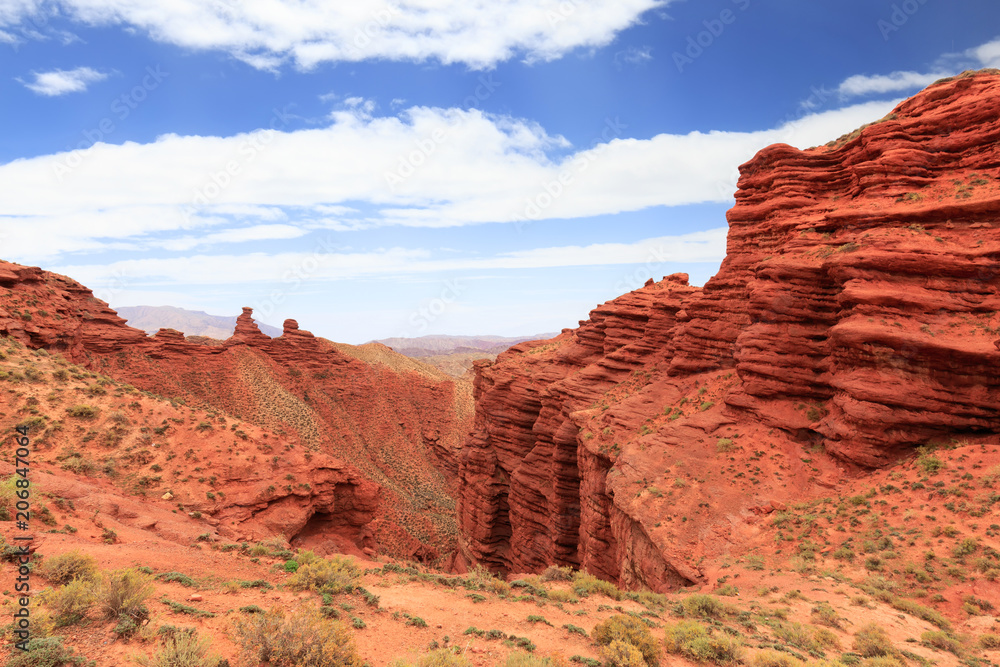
190 322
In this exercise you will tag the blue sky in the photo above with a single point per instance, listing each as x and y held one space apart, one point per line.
409 168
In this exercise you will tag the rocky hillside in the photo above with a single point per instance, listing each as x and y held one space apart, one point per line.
394 421
854 319
189 322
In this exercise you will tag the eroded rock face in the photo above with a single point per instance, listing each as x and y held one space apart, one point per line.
391 433
856 313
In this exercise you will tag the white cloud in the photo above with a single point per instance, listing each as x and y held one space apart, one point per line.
948 64
333 264
453 167
634 56
861 84
266 33
61 82
987 54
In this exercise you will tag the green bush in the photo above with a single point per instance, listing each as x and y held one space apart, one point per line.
301 638
82 411
825 614
630 630
64 568
942 640
123 593
585 584
442 657
692 640
291 565
622 654
337 574
44 652
177 577
181 649
872 641
882 661
700 605
771 658
70 603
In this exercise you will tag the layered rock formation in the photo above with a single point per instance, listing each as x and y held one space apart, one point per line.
855 315
393 423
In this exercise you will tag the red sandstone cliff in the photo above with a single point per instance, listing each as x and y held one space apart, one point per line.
391 424
854 317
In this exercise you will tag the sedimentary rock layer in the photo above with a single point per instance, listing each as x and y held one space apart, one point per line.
855 314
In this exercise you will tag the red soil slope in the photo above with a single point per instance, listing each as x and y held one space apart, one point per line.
854 318
390 424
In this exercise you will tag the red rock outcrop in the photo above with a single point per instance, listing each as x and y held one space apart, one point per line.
855 314
393 423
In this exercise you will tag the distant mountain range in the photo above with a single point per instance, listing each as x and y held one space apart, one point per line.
433 346
453 354
190 322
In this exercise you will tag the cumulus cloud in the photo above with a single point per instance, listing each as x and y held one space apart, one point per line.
267 33
427 167
987 54
62 82
861 84
948 64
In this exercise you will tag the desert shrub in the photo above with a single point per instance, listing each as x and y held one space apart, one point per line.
628 629
882 661
301 638
692 640
556 573
70 603
622 654
337 574
181 649
306 557
825 614
44 652
932 616
585 584
442 657
82 411
681 633
177 577
797 634
563 596
700 605
64 568
989 641
771 658
122 594
519 659
291 565
942 640
872 641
